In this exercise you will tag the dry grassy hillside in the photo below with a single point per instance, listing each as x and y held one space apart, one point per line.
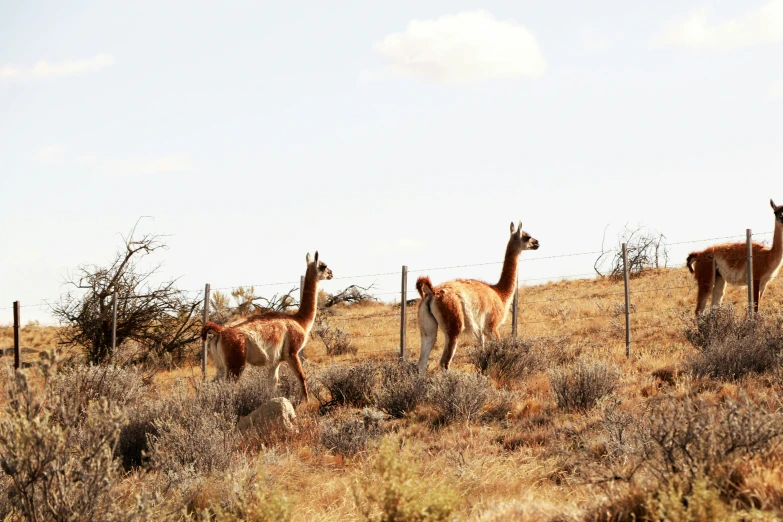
560 426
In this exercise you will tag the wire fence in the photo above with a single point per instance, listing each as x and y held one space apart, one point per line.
652 310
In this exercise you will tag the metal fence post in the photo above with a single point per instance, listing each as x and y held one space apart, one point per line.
751 306
515 309
114 322
204 343
403 306
17 347
627 302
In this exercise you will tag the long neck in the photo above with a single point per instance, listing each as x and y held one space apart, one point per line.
777 243
508 277
309 304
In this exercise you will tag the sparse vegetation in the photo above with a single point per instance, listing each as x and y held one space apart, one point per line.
630 437
580 386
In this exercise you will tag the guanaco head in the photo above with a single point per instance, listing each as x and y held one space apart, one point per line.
521 240
778 213
319 266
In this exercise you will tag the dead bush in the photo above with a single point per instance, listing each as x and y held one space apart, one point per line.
459 396
336 340
505 360
349 385
579 386
401 388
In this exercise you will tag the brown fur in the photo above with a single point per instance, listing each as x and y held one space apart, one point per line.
712 267
257 339
460 305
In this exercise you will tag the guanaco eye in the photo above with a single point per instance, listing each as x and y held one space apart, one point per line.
525 238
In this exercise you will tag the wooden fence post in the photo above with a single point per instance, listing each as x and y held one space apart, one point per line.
114 323
749 237
301 290
515 309
403 306
627 302
204 343
17 347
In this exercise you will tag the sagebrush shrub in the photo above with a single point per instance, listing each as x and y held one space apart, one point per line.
401 388
57 468
82 384
694 445
459 396
505 360
731 346
195 435
348 435
581 385
350 385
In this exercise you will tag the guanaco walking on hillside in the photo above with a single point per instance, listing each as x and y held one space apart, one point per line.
468 305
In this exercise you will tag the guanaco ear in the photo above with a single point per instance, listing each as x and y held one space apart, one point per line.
772 203
316 256
308 258
512 227
519 229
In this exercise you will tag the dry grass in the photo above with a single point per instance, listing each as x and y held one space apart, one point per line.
534 461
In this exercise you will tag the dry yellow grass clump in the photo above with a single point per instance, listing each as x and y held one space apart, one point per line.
535 443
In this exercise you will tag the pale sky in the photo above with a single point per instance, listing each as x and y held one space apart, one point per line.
380 134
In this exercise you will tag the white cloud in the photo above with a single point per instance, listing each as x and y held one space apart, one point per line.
44 69
775 90
762 25
467 47
51 155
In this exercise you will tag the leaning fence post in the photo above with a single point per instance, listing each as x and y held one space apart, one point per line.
751 306
204 342
403 304
114 323
17 348
515 309
627 302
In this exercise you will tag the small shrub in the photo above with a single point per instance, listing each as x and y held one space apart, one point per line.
459 396
349 436
401 388
581 385
253 501
505 360
350 385
59 469
195 434
82 384
395 492
716 324
732 347
336 340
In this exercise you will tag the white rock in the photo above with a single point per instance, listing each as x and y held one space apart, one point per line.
277 413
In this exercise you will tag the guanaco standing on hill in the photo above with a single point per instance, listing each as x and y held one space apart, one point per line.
717 265
468 305
270 338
